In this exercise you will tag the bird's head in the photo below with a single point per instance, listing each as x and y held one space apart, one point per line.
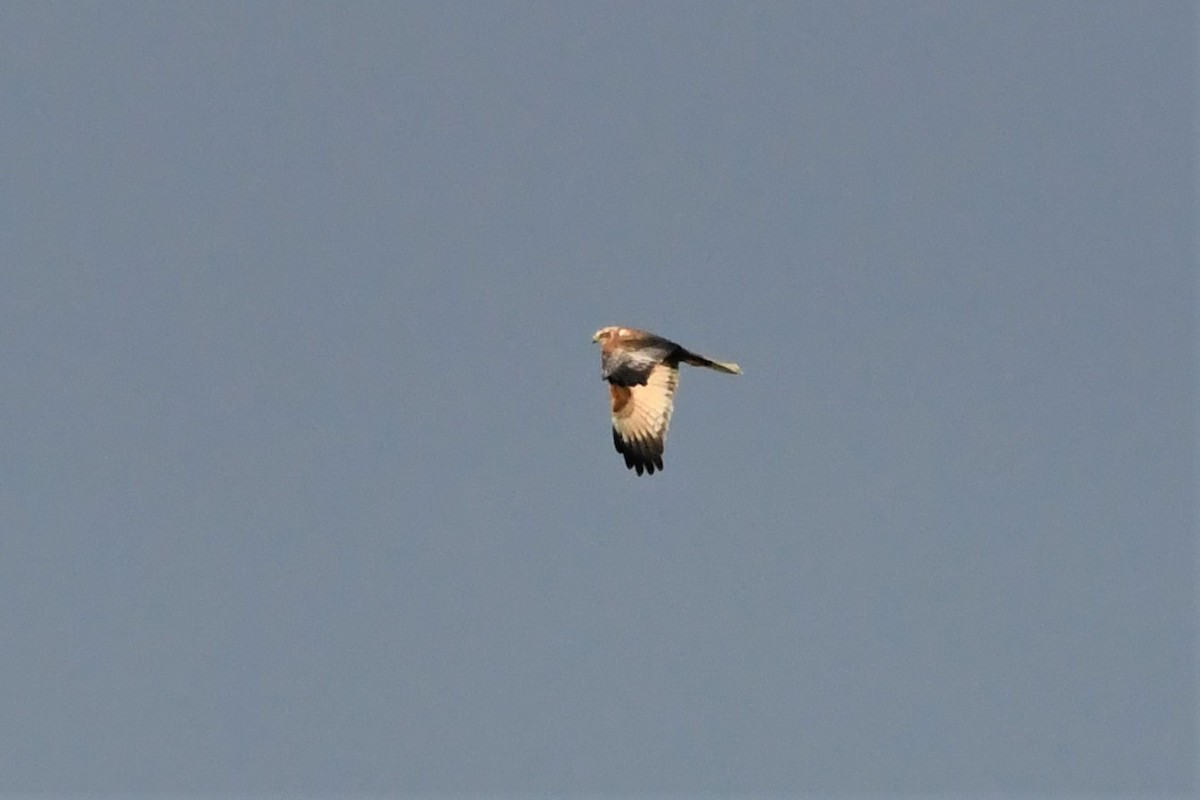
604 334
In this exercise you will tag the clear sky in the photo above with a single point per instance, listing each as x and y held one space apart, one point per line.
307 480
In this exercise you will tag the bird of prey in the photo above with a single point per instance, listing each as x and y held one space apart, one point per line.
642 371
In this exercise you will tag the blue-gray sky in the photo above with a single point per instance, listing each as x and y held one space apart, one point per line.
307 478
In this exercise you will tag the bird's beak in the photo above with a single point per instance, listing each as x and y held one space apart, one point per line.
595 339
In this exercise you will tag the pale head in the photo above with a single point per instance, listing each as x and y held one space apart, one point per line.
606 333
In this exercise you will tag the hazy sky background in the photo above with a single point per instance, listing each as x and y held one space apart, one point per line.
307 480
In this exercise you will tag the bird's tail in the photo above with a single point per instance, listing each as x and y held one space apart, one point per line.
697 360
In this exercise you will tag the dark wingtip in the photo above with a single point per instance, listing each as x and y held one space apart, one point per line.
643 457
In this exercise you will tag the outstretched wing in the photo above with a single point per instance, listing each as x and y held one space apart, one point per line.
629 362
641 415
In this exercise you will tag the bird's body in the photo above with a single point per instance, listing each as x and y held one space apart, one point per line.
642 371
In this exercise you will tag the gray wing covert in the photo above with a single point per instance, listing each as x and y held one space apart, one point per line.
631 365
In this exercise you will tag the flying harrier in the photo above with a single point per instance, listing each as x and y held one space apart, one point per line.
642 371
